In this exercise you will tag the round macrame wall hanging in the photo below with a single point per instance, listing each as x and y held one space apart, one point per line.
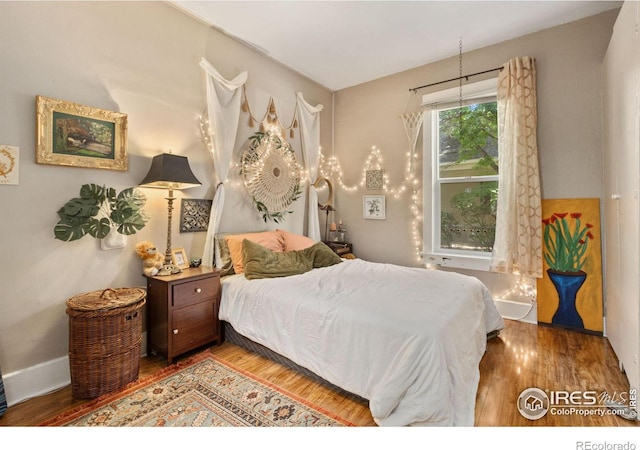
271 174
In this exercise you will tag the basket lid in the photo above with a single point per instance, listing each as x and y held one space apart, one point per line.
106 299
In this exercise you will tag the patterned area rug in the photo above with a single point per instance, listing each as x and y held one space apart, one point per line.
201 392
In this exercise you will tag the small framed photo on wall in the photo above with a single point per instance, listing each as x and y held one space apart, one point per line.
194 215
373 207
374 179
9 164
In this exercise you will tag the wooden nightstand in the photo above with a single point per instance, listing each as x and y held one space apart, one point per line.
182 311
341 248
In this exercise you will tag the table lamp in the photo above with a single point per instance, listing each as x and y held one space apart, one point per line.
170 172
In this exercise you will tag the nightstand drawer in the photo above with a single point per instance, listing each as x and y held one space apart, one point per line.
193 292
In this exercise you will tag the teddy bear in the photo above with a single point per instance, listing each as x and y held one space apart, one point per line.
152 261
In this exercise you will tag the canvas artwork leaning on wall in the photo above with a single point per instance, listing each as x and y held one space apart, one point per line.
570 291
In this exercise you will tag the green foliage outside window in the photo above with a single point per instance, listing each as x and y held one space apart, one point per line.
469 135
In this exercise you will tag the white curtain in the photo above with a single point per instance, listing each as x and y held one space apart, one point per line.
518 243
309 121
223 108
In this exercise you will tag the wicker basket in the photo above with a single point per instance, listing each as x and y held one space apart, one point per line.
105 336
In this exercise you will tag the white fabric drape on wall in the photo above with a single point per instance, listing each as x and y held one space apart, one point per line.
223 108
309 120
518 243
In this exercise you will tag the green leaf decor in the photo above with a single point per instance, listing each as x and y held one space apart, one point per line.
98 211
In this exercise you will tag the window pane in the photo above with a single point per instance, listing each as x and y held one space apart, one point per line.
468 215
467 141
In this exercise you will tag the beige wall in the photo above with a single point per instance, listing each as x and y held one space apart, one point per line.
568 60
140 58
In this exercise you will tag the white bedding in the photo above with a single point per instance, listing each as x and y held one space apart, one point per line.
409 340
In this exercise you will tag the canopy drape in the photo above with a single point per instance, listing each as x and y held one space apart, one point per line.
518 243
223 109
309 120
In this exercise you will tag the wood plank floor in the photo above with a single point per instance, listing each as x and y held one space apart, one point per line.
523 356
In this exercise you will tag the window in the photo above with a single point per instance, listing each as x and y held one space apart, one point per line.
461 167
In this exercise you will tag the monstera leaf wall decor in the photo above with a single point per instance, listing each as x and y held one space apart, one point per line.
100 210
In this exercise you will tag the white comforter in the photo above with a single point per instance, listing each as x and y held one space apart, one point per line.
409 340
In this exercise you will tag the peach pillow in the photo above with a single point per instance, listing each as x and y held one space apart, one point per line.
294 241
269 239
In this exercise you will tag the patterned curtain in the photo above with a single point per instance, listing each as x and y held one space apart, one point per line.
518 243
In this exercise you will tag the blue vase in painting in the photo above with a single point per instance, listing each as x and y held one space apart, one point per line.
567 285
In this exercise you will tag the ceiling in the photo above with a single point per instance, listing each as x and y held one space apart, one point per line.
344 43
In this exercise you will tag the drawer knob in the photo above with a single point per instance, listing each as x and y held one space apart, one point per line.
198 290
175 331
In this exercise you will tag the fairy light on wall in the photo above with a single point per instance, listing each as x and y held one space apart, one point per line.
525 287
205 132
331 168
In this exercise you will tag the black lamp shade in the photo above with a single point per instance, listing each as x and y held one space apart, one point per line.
170 172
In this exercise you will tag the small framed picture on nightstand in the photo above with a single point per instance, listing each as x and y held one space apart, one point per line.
179 257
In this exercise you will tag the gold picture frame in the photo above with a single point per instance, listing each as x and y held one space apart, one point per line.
70 134
179 258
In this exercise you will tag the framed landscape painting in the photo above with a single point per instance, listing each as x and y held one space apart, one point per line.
570 291
70 134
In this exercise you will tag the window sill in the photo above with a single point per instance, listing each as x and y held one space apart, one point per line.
482 263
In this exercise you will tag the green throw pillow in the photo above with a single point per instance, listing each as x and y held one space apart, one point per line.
260 262
321 255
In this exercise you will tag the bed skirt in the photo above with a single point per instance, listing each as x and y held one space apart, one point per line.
231 335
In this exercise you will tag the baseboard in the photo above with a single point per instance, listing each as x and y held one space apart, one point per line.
520 311
36 380
41 379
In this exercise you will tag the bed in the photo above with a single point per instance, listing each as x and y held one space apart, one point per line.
408 340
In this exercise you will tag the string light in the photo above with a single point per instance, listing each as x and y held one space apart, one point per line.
525 287
206 131
331 168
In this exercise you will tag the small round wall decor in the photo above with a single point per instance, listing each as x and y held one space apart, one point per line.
271 174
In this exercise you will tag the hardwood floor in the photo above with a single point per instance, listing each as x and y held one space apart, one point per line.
522 356
551 359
